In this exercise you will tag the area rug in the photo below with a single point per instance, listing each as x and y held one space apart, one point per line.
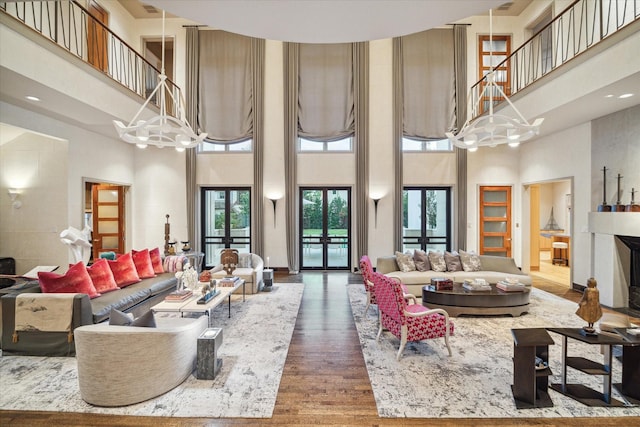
255 344
476 381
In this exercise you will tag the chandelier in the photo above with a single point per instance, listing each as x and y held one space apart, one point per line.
493 129
162 130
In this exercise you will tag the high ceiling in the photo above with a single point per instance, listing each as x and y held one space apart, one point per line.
327 21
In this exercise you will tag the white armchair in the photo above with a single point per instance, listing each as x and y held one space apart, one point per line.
249 268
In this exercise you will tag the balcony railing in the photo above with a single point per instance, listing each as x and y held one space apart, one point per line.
578 28
74 29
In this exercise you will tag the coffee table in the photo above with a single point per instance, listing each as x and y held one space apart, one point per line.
462 301
191 305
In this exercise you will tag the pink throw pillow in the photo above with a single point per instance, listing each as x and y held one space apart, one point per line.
76 281
142 261
102 276
156 261
124 270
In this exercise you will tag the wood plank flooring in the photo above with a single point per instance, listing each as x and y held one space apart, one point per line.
325 380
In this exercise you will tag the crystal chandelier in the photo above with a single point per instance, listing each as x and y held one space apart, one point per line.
162 130
493 129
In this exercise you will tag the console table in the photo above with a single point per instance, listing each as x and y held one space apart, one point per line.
530 385
630 386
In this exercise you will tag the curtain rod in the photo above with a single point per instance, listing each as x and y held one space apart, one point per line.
193 26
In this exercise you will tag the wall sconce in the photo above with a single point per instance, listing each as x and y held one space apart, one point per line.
274 200
375 209
13 194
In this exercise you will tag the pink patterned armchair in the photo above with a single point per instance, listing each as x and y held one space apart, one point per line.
408 322
367 276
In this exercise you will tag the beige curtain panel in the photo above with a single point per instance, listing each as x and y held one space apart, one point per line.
225 88
429 84
325 98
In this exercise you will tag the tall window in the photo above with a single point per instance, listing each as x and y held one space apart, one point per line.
426 218
426 145
342 145
492 51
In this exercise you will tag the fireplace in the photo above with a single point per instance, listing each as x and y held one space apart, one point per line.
633 243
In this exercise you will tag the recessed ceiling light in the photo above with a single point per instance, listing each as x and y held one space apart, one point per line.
608 96
626 95
32 98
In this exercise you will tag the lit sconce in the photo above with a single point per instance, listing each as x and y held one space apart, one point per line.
376 199
274 200
15 202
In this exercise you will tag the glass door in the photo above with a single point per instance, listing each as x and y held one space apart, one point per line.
325 221
495 221
108 219
426 218
226 222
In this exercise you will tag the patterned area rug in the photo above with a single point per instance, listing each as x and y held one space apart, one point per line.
476 381
255 344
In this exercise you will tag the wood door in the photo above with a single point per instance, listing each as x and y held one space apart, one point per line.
97 36
108 219
495 220
491 52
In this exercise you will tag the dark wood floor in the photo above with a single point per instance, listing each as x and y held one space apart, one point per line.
325 380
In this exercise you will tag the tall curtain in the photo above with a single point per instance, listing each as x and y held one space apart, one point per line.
257 65
191 91
460 63
291 63
398 86
361 143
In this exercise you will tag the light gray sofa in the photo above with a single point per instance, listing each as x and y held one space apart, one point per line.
251 275
494 269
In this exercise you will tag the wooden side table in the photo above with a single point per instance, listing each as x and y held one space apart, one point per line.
530 385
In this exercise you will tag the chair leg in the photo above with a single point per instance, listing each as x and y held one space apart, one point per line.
366 309
446 337
403 341
379 330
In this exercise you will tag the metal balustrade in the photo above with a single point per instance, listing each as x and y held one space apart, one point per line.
73 28
578 28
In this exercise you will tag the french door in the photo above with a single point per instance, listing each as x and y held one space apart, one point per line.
426 218
325 224
226 222
495 220
97 36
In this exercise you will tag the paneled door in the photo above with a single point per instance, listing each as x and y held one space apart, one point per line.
495 220
325 218
97 36
108 219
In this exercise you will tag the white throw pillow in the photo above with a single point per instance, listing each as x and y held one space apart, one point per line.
405 262
470 261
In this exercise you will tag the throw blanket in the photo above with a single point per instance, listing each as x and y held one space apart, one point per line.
173 263
45 313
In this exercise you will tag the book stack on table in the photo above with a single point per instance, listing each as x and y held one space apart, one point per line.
177 296
228 281
476 285
509 286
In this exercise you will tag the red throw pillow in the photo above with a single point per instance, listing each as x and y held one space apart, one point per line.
124 270
102 276
142 261
156 261
76 281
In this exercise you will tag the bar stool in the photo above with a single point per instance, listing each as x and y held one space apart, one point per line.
560 253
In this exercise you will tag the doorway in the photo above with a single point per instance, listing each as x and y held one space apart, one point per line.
104 212
226 222
325 224
551 219
426 219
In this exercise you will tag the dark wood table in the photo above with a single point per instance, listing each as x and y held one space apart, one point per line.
630 385
462 301
530 384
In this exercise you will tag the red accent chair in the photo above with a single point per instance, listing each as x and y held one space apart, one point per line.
408 322
367 277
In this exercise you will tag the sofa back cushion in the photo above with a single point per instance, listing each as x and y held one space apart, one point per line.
498 263
405 262
452 259
436 259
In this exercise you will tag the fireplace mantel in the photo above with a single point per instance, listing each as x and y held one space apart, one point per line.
615 223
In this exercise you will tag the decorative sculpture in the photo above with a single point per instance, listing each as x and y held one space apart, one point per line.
632 207
78 241
604 207
589 307
229 260
618 207
167 230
